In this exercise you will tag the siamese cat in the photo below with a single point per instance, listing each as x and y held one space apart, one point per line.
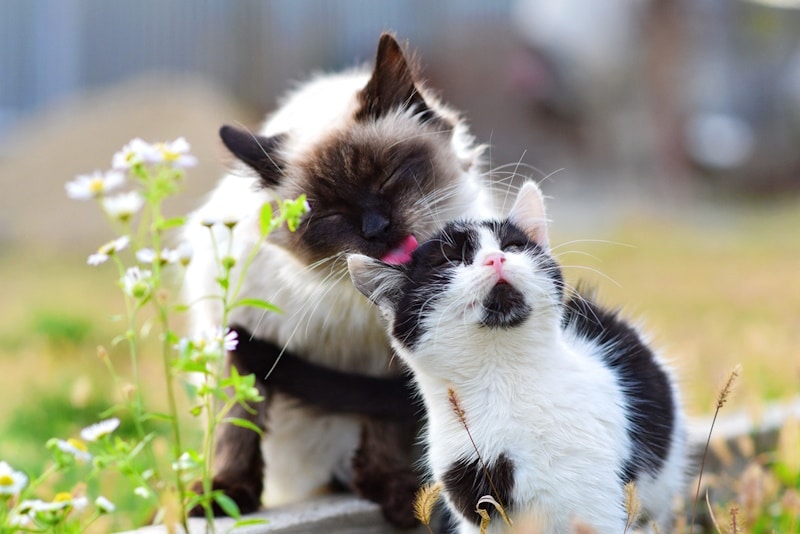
545 400
383 164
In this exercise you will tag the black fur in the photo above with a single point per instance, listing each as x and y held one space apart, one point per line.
467 481
647 387
258 152
324 388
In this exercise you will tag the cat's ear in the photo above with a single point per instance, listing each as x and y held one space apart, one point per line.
529 215
391 85
260 153
379 282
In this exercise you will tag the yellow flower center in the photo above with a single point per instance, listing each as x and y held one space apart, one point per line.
62 497
96 185
6 480
168 154
78 444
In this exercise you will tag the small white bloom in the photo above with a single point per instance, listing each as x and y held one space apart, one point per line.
93 185
142 492
148 255
176 153
230 340
29 506
21 521
134 153
183 463
74 447
100 429
104 506
184 253
107 250
124 205
11 481
136 282
79 503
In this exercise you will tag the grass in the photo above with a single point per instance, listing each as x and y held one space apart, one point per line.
712 291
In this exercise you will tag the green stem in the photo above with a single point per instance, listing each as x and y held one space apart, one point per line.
166 360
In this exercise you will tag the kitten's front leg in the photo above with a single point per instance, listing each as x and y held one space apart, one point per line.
238 460
382 472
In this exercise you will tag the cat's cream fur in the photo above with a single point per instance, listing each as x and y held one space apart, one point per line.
324 317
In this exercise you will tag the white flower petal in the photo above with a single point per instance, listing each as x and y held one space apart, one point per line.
100 429
104 506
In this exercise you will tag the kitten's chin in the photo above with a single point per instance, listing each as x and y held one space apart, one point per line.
504 306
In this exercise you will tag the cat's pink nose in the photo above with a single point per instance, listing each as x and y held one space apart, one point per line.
496 260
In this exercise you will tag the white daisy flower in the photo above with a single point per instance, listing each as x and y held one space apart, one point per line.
74 447
100 429
134 153
184 253
21 521
123 206
104 506
93 185
11 481
176 153
108 249
230 340
148 255
142 492
136 282
183 463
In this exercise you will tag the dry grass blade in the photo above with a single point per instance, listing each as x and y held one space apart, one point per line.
485 520
734 512
426 499
632 505
711 514
721 398
488 499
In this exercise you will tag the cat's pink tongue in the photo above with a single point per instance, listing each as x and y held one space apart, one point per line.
402 252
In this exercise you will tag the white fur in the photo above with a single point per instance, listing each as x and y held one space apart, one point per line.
322 312
542 397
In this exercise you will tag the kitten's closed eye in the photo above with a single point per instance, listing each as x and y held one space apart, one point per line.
515 245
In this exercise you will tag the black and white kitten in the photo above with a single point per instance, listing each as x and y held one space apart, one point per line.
564 400
383 163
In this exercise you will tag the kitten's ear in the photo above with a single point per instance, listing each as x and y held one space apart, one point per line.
379 282
258 152
529 214
392 85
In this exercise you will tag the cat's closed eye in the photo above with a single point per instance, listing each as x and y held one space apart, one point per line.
514 246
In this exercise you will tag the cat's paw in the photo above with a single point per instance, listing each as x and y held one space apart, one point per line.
248 499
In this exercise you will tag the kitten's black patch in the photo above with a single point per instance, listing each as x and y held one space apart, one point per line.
258 152
650 403
324 388
430 271
504 307
466 482
392 86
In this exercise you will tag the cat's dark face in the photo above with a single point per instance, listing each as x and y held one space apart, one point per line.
381 179
471 277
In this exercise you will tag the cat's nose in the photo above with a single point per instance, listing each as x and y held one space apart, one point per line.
496 260
374 225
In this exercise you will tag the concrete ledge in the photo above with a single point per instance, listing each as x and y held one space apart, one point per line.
346 514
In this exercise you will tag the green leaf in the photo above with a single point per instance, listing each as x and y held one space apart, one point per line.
244 423
174 222
157 416
249 522
257 303
228 505
265 218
